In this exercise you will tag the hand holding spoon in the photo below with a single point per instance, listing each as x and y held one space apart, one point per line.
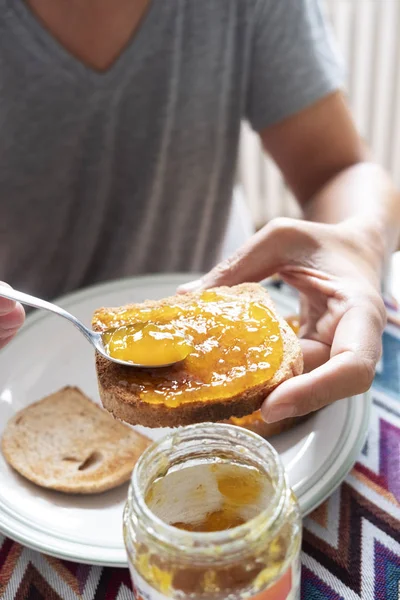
176 346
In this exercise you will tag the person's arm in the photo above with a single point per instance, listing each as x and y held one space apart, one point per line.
12 316
331 172
335 263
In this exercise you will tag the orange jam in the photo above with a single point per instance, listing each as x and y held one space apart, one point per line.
249 420
210 497
234 344
146 344
210 515
294 322
219 520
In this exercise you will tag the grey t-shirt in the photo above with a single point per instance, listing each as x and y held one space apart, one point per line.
131 171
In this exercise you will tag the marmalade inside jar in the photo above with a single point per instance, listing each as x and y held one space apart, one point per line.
234 525
233 342
209 497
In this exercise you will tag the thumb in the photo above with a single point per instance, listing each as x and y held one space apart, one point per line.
263 255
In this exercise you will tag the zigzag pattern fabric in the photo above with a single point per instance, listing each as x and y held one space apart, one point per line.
351 548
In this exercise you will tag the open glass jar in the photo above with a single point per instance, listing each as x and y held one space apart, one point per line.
210 516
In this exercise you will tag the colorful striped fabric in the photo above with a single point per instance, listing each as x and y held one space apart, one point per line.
351 547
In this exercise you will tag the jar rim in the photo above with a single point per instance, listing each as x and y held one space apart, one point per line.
231 539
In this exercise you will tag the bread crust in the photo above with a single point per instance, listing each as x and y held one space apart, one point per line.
67 443
128 407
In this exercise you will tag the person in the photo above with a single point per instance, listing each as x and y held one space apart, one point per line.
119 133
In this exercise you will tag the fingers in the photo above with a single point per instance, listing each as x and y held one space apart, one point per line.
315 354
247 264
341 377
261 257
355 352
12 316
6 306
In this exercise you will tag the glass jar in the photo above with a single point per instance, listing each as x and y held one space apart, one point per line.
223 523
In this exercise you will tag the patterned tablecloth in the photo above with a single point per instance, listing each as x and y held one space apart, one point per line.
351 546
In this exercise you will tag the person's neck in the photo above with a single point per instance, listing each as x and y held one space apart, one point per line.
94 31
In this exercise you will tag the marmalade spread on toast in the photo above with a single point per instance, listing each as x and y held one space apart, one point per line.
249 420
225 344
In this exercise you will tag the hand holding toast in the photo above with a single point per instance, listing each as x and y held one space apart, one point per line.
12 316
336 269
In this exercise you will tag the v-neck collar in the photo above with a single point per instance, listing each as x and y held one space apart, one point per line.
44 43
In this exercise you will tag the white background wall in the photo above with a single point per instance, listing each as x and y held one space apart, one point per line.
368 38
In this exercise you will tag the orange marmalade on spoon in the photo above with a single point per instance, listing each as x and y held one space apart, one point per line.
227 345
146 344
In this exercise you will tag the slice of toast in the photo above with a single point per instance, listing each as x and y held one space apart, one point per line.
66 442
125 403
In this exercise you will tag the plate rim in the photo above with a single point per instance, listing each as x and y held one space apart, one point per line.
339 464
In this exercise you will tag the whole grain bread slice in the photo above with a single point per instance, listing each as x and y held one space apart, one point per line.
125 404
67 443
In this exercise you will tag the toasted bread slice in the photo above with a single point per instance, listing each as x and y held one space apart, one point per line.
67 443
125 403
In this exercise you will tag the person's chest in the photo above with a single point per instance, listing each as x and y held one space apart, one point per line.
163 120
96 33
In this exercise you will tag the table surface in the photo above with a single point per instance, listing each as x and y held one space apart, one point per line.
351 547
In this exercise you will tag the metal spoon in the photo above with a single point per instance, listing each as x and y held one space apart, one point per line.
96 339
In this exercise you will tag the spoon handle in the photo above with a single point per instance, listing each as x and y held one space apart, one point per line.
12 294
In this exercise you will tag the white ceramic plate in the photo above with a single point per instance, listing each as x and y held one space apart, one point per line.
49 354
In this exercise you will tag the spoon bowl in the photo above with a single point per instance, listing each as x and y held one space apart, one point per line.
98 343
93 337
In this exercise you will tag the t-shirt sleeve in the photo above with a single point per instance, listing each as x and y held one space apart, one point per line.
293 63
